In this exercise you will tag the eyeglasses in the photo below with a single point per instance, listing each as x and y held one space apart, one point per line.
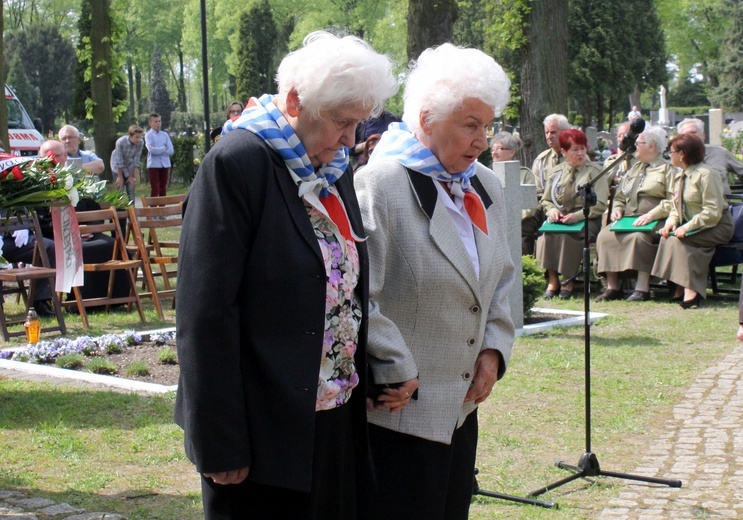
674 151
236 111
641 143
500 149
68 138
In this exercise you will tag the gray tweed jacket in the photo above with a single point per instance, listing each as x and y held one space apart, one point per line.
430 315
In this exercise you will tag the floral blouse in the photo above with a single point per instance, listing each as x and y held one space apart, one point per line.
338 375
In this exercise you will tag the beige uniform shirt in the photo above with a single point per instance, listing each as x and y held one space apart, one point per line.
544 161
646 180
562 181
698 200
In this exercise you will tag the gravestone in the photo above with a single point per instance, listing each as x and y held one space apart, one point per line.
518 196
715 127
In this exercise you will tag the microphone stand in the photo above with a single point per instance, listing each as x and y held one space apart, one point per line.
588 465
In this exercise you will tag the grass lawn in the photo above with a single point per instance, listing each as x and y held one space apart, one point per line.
106 451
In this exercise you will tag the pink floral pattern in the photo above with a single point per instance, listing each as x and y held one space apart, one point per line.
338 375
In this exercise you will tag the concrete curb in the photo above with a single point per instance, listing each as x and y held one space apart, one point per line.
574 321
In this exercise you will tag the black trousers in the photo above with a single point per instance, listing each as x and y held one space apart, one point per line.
418 479
333 493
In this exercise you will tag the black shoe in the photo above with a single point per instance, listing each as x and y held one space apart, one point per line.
565 294
610 294
639 296
695 302
43 308
549 294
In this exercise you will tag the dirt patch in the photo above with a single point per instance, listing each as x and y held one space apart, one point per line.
535 317
159 373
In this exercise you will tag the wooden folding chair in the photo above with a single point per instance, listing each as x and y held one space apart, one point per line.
145 223
107 221
40 268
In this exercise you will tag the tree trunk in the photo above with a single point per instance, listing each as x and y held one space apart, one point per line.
130 78
181 84
599 112
544 72
634 98
429 24
4 141
100 82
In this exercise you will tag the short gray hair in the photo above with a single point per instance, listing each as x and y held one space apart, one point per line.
329 71
508 140
562 121
444 76
691 120
656 135
69 128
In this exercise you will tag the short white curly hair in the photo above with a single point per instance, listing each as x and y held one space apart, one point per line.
329 71
444 76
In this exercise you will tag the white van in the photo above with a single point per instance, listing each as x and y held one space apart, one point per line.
25 140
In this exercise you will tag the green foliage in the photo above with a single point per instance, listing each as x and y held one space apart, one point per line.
82 102
255 70
167 356
533 282
689 94
729 68
27 93
137 368
70 361
159 98
690 111
184 166
101 366
693 30
47 59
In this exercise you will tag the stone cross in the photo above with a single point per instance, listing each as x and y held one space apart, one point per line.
518 196
715 127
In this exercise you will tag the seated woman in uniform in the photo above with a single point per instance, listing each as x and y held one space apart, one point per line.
562 253
698 221
643 192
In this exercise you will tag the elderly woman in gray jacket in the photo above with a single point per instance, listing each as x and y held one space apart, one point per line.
440 332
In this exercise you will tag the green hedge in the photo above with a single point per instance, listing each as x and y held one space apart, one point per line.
533 282
187 149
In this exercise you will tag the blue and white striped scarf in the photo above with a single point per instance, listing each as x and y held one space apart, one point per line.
267 122
400 144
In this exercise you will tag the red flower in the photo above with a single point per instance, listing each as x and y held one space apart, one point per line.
17 173
52 157
3 175
52 179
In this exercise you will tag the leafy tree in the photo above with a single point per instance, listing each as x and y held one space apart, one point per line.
468 30
4 141
255 69
429 24
693 29
159 98
102 70
729 92
47 59
82 98
27 93
689 94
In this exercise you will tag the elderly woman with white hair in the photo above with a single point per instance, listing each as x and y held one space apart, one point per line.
273 296
644 193
440 331
503 147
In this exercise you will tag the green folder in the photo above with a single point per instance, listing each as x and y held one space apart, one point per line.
556 227
692 232
626 225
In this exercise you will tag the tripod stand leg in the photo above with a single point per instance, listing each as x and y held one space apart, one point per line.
674 483
530 501
554 485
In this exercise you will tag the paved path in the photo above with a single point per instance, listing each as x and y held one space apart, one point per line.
702 445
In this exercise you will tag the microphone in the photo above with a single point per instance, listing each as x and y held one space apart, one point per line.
636 127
